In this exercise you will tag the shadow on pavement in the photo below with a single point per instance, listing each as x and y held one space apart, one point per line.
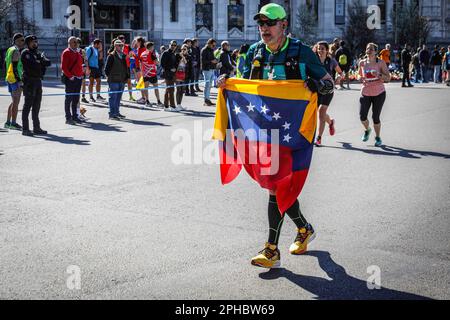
101 126
144 123
64 140
391 151
341 286
4 130
201 114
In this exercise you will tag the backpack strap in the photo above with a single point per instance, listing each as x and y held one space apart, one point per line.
258 55
293 68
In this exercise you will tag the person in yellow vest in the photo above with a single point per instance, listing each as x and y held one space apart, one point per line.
13 78
385 54
241 60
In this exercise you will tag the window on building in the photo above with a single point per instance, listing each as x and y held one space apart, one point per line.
382 6
47 9
313 6
339 12
204 15
173 10
235 15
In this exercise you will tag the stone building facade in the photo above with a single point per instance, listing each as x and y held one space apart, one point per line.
164 20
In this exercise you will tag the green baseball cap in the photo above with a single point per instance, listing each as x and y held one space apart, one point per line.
272 11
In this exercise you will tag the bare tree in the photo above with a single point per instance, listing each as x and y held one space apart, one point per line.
411 26
356 33
306 25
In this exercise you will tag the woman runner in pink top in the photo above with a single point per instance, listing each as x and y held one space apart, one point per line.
373 73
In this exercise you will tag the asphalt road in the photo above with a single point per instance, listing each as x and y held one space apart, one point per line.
107 198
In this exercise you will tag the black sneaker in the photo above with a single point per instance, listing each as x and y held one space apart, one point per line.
208 103
114 118
27 133
39 131
76 120
84 100
193 94
121 116
15 126
70 121
100 98
92 99
198 89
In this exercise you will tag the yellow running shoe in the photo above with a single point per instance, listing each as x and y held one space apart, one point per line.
269 257
304 236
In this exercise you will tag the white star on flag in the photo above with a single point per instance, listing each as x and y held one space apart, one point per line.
237 110
276 115
287 138
264 109
250 107
286 125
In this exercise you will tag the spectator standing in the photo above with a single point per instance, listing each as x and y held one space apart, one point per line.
385 54
13 60
196 64
241 60
405 60
344 58
34 67
424 60
225 59
416 66
436 62
128 51
72 68
184 70
148 63
189 87
208 64
93 70
169 65
118 73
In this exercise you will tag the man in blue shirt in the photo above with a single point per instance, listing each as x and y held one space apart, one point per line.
93 69
277 57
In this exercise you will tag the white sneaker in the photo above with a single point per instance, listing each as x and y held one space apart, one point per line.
182 108
170 109
179 108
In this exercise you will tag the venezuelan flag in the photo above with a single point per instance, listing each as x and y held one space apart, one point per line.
267 127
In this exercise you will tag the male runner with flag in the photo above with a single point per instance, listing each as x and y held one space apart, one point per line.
280 58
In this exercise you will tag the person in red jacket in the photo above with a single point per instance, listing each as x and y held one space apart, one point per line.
72 68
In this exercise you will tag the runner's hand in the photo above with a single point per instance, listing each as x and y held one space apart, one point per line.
221 81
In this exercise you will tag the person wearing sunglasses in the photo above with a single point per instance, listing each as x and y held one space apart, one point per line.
278 57
14 80
118 74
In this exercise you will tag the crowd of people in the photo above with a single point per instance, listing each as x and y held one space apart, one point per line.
180 68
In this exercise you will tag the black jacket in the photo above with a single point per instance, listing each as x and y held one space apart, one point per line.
346 51
405 58
168 62
207 56
436 58
196 56
225 59
116 68
34 64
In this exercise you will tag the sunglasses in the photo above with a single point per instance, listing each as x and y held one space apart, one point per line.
269 23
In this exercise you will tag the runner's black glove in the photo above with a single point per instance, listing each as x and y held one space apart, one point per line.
322 86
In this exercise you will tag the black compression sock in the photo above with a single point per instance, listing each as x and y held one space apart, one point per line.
275 220
296 215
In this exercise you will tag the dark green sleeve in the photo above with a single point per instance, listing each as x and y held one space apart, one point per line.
314 68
